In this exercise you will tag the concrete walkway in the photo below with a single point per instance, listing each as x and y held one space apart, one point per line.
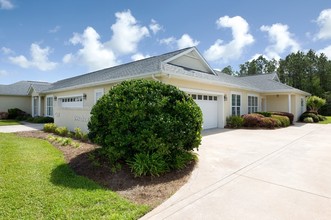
23 127
257 174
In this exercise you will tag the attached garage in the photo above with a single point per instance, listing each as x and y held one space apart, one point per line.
210 107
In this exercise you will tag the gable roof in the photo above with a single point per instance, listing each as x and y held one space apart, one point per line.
22 88
133 69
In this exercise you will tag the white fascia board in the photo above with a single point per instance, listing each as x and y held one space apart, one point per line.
198 91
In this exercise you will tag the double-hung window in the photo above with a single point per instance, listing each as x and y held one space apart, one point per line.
49 106
252 104
236 104
98 93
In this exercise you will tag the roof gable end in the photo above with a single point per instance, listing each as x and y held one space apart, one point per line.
191 59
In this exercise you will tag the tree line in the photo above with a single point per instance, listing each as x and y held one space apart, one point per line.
309 71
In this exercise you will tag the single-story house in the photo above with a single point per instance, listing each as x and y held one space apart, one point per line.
219 95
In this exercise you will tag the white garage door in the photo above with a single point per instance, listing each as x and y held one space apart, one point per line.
209 108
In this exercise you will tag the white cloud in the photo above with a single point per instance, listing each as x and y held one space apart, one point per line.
93 53
7 51
55 29
281 40
326 51
232 50
3 73
127 33
324 22
39 59
186 41
6 4
139 56
154 26
183 42
168 41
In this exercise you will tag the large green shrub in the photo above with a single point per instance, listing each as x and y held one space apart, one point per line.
18 114
141 121
234 121
312 115
314 103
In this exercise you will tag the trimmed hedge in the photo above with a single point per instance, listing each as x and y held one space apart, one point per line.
287 114
143 121
312 115
284 120
18 114
252 120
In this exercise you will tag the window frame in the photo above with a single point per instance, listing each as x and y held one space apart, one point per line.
234 108
96 91
253 104
50 108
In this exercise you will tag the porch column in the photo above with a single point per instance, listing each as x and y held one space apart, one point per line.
32 106
289 103
39 106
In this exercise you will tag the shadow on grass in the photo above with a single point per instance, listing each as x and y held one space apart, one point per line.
121 180
65 176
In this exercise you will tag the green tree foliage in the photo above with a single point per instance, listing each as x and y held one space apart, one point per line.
228 70
147 124
314 103
258 66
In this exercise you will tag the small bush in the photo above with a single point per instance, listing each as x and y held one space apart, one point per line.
284 121
287 114
183 159
252 120
40 119
50 127
3 115
265 114
148 164
62 131
17 114
269 123
308 120
309 115
321 117
234 121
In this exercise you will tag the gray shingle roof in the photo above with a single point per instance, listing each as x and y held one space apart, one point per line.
136 68
21 88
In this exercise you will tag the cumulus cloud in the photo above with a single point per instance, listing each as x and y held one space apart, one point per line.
183 42
127 33
324 22
326 51
55 29
39 59
6 4
281 40
154 26
93 53
221 51
139 56
97 54
7 51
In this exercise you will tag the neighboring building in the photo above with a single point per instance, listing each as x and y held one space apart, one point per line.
219 95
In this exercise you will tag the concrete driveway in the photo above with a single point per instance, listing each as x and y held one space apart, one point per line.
257 174
23 127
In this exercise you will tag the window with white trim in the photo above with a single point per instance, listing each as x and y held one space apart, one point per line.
49 106
252 104
236 104
98 93
72 102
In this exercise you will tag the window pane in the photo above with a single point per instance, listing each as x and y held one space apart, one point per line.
233 99
238 110
238 100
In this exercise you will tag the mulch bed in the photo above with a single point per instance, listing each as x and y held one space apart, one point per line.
150 191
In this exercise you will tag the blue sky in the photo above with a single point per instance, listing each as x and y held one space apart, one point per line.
51 40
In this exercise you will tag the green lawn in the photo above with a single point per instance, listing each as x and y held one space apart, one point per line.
328 121
8 122
35 183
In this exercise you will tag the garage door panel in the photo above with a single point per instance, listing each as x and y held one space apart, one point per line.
209 110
